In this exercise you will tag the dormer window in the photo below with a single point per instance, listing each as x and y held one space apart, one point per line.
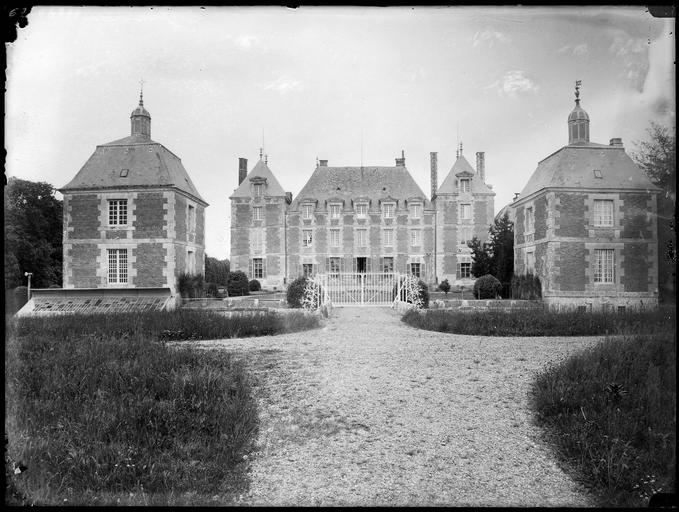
597 173
388 210
362 210
258 189
416 210
335 210
307 211
123 173
464 185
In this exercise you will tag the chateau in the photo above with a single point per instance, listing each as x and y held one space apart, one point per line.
359 219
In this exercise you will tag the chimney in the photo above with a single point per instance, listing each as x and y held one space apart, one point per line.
516 196
242 169
322 163
434 173
481 165
401 162
288 197
616 142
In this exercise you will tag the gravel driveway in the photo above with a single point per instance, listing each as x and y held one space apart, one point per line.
370 411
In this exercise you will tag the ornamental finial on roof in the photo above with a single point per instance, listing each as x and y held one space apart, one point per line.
578 84
141 92
266 159
260 152
460 149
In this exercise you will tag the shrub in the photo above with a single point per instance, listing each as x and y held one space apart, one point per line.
444 286
526 287
237 284
295 292
610 411
487 287
191 285
422 288
212 290
254 285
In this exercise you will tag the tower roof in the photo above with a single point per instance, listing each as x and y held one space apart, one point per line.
462 168
260 170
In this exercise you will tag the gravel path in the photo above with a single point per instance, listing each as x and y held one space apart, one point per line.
370 411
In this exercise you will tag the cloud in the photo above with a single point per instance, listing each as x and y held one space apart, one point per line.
513 83
247 41
282 84
581 49
490 36
633 54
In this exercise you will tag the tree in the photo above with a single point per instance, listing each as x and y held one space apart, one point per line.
216 271
481 260
33 234
502 249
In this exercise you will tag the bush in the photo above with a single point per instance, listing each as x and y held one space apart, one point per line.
526 287
487 287
237 284
254 285
295 292
610 411
191 285
444 286
423 290
212 290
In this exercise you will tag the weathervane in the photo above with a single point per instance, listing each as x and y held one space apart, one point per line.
578 84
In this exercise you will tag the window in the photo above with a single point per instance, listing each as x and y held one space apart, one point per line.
192 218
334 265
307 269
465 235
603 266
464 267
334 238
530 220
416 211
124 173
257 268
530 262
361 237
389 237
335 210
191 262
307 211
388 210
257 213
306 237
597 173
464 185
259 189
117 212
415 237
361 210
388 264
415 269
117 266
257 241
603 212
465 211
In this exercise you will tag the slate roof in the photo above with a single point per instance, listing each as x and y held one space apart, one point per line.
368 182
574 165
460 168
149 163
261 169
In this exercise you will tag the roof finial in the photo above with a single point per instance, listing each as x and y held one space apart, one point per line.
460 149
266 159
141 92
260 152
578 84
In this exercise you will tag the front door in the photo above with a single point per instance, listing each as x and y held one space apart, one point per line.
361 266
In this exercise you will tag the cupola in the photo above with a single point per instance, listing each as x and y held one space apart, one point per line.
578 121
141 119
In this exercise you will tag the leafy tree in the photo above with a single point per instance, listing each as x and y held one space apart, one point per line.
444 286
216 271
481 259
33 234
238 284
502 249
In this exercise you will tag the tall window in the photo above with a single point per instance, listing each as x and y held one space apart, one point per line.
465 235
464 185
334 265
388 264
117 212
388 210
257 213
335 210
361 237
257 241
415 269
257 268
334 238
191 262
603 212
308 269
192 218
361 210
604 262
259 189
307 211
464 268
530 220
415 237
465 211
530 262
307 237
388 237
117 266
416 211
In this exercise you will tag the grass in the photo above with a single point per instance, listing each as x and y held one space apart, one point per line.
541 322
610 411
100 411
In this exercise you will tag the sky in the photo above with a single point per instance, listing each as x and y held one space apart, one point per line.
351 85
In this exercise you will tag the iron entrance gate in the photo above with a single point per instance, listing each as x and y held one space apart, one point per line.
359 288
